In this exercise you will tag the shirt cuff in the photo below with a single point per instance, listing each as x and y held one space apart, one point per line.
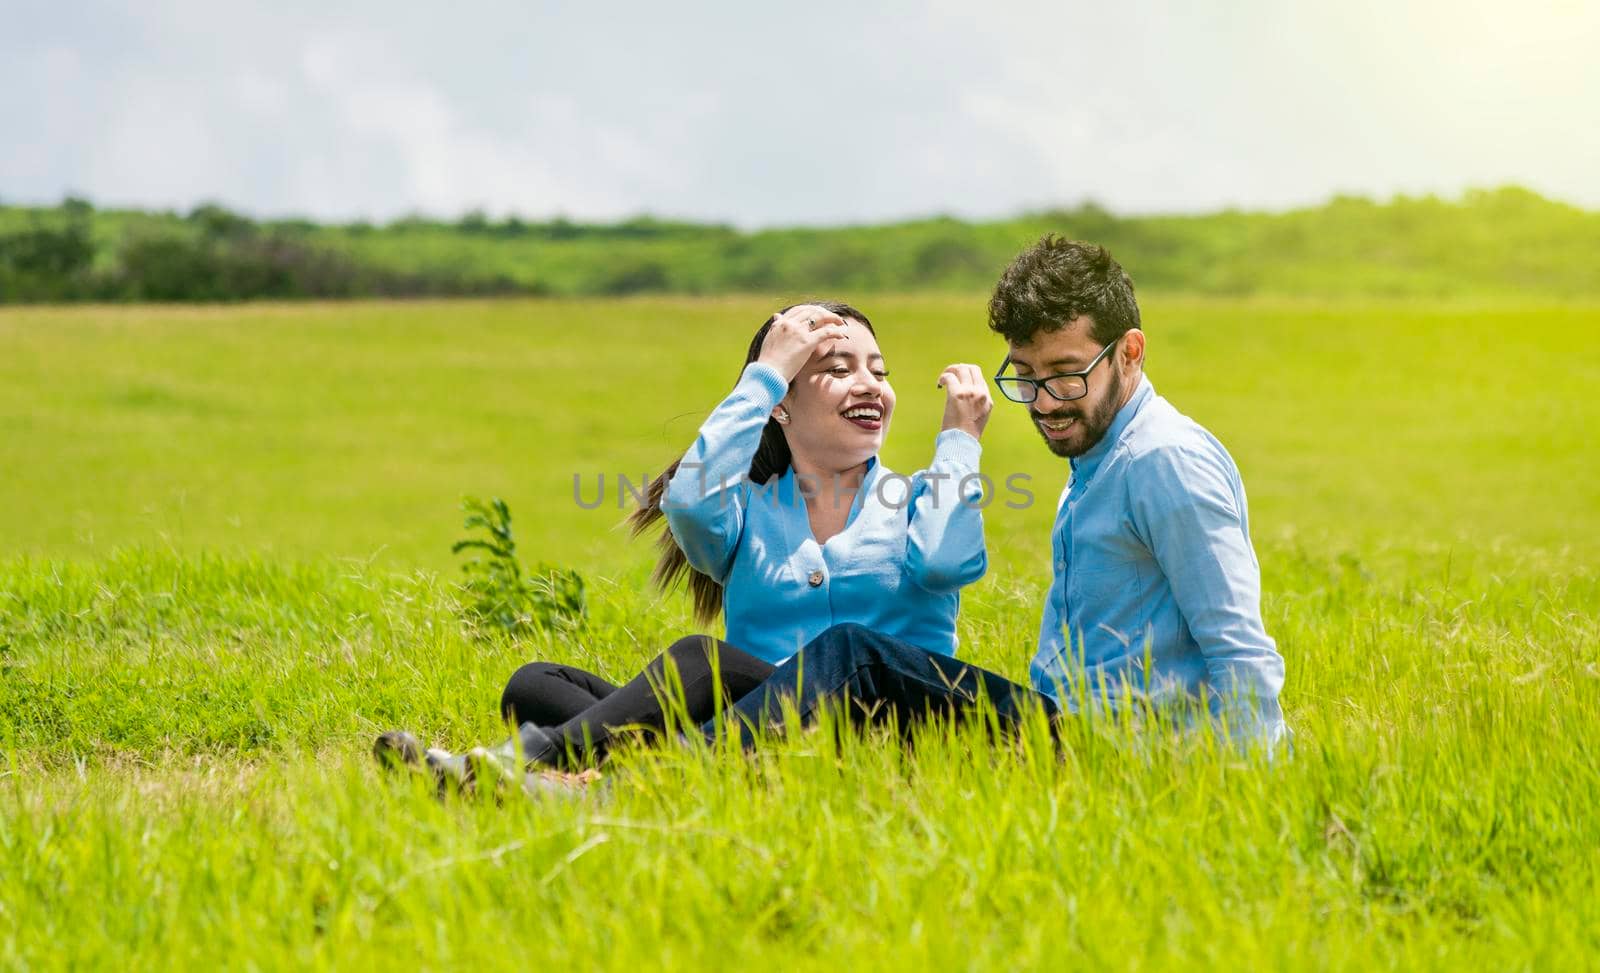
957 446
764 383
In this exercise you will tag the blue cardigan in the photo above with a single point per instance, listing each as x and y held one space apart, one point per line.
909 546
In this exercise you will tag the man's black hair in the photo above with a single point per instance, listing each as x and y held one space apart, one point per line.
1056 280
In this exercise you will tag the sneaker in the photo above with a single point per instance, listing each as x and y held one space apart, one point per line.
448 768
537 745
396 749
501 763
487 765
512 755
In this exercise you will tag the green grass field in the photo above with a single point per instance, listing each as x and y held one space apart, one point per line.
224 566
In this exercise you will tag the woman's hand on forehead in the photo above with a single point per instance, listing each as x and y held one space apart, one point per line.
814 315
797 335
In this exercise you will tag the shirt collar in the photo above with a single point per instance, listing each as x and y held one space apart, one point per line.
1084 467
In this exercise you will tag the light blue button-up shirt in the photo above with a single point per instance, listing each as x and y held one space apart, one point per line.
1157 591
908 547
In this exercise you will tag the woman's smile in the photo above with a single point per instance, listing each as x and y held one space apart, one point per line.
867 415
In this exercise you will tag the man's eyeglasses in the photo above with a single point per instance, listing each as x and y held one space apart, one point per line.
1063 387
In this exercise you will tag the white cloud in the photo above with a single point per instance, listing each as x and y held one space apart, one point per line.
774 115
158 148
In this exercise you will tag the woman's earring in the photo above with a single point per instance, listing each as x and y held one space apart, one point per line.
782 415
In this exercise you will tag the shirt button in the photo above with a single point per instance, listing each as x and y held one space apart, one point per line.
816 579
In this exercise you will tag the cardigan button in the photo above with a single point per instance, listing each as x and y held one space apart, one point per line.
816 579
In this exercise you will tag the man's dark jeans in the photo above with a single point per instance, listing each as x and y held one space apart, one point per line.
874 678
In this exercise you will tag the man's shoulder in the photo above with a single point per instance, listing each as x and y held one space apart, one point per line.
1161 436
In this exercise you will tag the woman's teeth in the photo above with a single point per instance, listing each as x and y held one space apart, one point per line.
868 417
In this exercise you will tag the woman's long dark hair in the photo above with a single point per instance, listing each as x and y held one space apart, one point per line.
772 459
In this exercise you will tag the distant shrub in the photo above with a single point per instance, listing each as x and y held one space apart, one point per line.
217 223
947 257
833 263
168 268
51 260
230 262
475 222
634 277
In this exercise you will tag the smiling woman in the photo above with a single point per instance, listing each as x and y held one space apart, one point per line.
780 516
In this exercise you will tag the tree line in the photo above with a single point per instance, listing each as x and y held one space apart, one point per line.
1502 241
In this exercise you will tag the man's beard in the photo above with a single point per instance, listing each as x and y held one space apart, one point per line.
1092 427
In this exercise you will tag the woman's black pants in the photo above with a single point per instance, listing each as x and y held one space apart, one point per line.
582 713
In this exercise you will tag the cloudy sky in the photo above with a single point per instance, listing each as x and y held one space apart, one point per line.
784 113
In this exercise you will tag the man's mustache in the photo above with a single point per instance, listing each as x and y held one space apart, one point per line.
1055 416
